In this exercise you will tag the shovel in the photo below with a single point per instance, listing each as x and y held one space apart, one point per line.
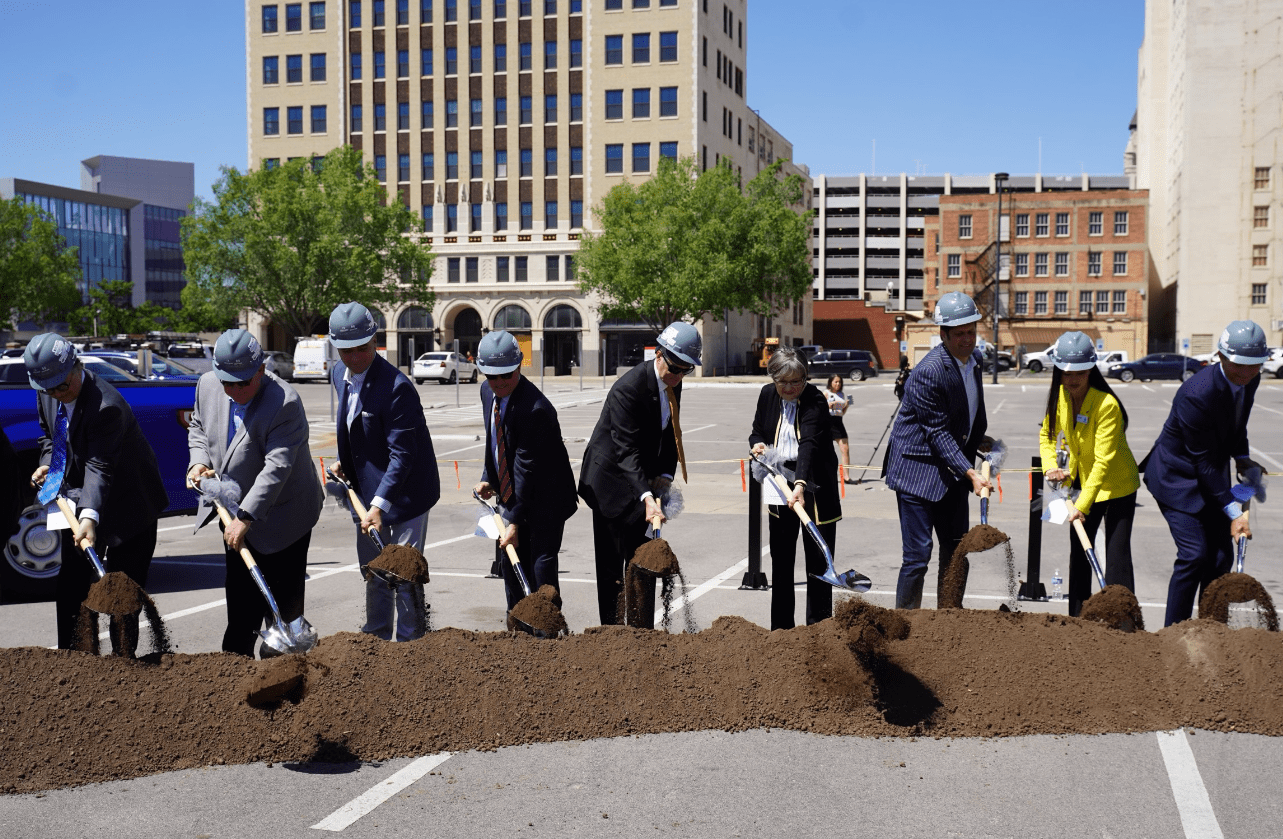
393 581
516 569
297 636
1091 552
850 580
72 522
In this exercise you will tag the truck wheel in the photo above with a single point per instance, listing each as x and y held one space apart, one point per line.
32 556
1127 376
1035 366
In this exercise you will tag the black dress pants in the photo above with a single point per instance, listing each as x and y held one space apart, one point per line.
614 543
285 573
783 531
132 556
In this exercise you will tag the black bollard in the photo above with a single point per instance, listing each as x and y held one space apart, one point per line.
1032 588
754 577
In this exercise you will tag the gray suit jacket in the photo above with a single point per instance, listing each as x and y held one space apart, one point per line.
269 458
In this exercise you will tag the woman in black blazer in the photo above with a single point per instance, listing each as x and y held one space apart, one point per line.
793 417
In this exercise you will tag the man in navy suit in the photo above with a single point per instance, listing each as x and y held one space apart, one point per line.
385 451
526 465
939 428
1188 469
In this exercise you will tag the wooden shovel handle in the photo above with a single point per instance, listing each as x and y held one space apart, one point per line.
226 518
70 515
1082 535
501 527
985 469
798 508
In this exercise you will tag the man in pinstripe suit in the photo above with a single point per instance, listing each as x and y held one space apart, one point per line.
939 428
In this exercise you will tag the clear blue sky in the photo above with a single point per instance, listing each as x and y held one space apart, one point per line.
942 86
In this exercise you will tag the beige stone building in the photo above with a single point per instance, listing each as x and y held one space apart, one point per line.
502 123
1207 144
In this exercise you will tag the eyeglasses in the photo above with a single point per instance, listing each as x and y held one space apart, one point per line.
57 389
677 368
790 382
239 385
490 377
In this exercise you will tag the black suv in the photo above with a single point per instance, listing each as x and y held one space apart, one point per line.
856 365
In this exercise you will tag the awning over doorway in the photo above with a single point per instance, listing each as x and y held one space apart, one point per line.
1041 337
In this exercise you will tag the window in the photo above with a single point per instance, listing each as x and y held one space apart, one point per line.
1040 302
523 269
355 62
614 49
704 108
1022 302
550 163
402 168
550 108
429 166
380 64
452 264
1120 302
377 13
527 215
294 69
550 220
964 226
269 23
270 163
1120 223
614 104
1258 294
523 8
452 113
1102 302
470 266
1022 224
316 12
380 116
1260 180
1093 263
641 157
381 167
527 110
576 7
271 65
527 163
403 116
667 46
1260 215
451 10
500 9
427 114
425 11
1095 223
1260 256
576 160
525 60
318 119
501 265
1022 265
663 3
1040 224
356 119
641 103
501 58
451 61
501 163
614 5
354 14
641 4
550 7
576 53
293 17
1062 224
501 223
452 165
474 59
475 169
452 222
474 9
271 121
614 159
425 62
550 55
474 113
402 12
577 220
641 48
1040 265
501 111
1062 303
1062 265
295 117
668 150
1084 302
668 101
576 107
1120 263
955 265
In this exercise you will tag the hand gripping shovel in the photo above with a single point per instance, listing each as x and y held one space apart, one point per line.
1091 552
850 580
392 579
516 569
72 522
297 636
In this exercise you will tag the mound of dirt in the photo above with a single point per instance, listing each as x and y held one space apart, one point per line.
657 557
982 537
115 594
403 561
70 718
1115 606
275 679
541 611
1233 588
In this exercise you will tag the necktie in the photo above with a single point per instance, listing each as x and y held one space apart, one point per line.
235 419
1238 408
501 458
677 429
58 458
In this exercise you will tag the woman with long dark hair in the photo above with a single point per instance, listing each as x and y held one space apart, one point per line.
838 404
1083 407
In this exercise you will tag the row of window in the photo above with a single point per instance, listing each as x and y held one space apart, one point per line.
641 162
641 48
427 60
641 103
476 112
727 72
527 217
1042 224
293 68
293 120
450 9
294 17
1101 302
553 270
1042 262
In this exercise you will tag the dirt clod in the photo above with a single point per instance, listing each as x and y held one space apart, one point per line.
1116 607
274 679
540 611
657 557
403 561
115 594
1234 588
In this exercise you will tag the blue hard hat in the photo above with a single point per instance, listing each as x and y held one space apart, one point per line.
237 356
351 325
956 309
50 358
682 340
1243 342
1072 352
498 353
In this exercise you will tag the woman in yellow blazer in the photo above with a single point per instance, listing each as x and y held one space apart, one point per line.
1101 466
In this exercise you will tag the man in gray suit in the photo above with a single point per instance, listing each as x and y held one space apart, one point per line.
249 426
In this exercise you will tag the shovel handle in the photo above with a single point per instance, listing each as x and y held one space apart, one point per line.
985 471
784 488
74 523
1240 552
655 522
226 518
359 508
509 549
1082 535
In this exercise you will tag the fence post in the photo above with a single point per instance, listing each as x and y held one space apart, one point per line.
1032 588
754 578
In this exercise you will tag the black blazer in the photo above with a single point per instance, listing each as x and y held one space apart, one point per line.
628 449
543 484
108 459
817 463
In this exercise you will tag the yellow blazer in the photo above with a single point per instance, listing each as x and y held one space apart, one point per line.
1099 456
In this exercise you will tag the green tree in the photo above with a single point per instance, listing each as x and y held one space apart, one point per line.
38 272
293 242
110 311
686 244
204 308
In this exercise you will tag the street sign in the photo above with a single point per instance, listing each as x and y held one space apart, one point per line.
1184 346
1100 344
904 347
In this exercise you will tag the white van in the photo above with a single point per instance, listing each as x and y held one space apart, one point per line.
314 358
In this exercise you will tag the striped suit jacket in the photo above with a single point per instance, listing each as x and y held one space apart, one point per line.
930 446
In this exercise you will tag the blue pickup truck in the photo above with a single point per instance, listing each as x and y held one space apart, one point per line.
31 554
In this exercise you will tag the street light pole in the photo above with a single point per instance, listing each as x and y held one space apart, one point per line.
999 178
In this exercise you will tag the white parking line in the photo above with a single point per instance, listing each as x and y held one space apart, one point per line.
346 815
1195 808
707 586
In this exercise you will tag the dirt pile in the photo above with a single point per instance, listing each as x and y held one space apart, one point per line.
122 599
1115 606
274 679
541 611
1233 588
653 560
71 718
402 561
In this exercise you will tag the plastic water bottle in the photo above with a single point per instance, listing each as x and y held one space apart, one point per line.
1056 582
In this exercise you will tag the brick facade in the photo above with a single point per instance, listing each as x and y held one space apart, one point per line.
855 325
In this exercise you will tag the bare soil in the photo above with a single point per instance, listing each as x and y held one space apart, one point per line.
952 585
1117 607
541 611
71 718
1233 588
403 561
274 679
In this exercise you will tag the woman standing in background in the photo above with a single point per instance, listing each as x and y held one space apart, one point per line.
838 404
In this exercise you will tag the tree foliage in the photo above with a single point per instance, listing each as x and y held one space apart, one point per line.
110 311
293 242
38 272
204 308
686 244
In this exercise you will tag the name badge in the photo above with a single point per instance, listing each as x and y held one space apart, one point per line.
1082 418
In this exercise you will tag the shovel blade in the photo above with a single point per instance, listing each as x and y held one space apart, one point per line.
296 637
851 580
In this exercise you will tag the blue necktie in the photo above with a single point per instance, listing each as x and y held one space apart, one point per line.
58 461
235 420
